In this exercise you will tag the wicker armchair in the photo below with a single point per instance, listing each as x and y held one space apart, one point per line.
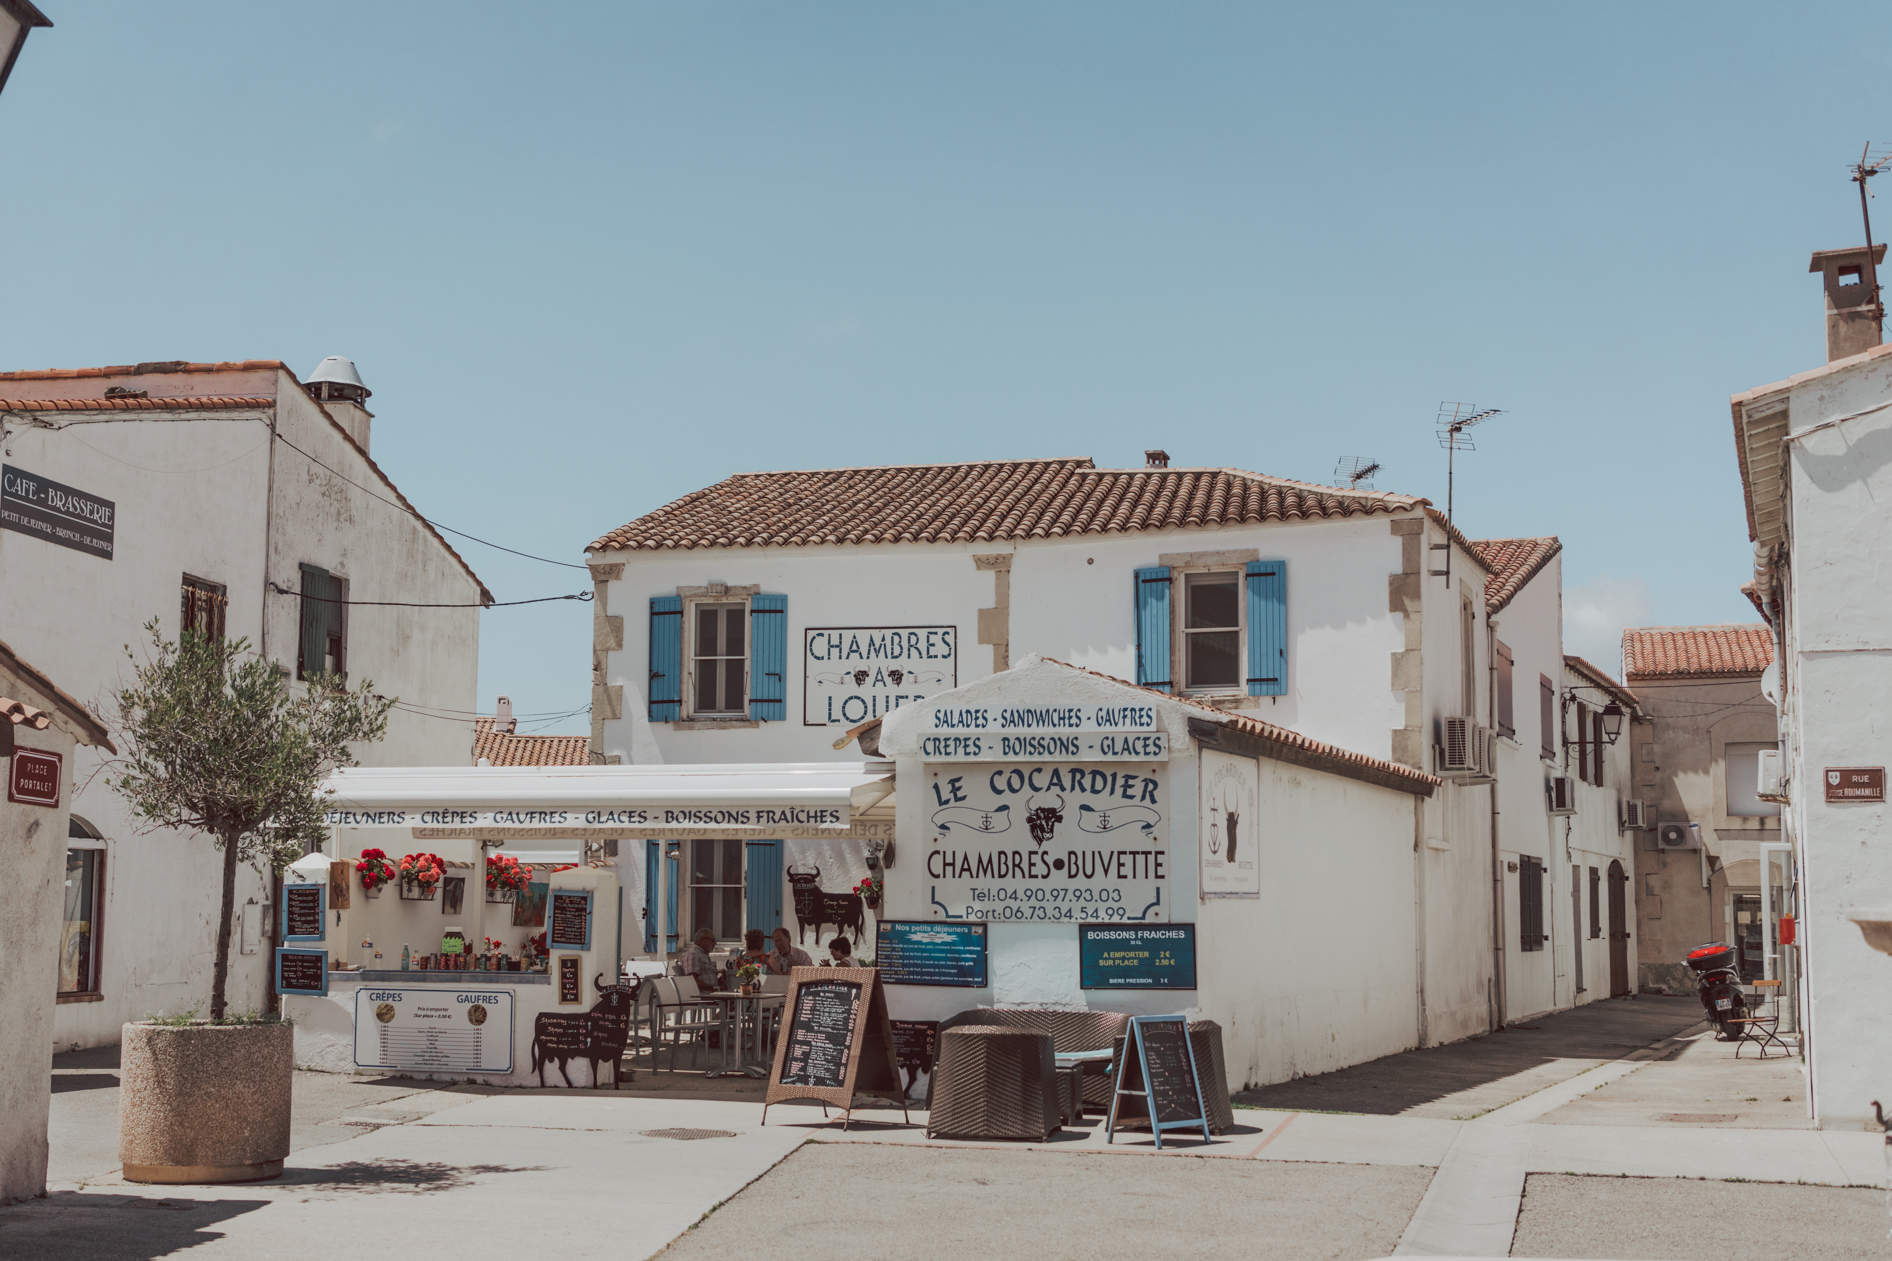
994 1082
1071 1031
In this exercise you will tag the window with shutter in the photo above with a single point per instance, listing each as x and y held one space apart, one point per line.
1596 748
1583 741
666 658
1530 904
765 886
768 672
1596 903
320 650
1547 718
1507 720
1267 582
1152 614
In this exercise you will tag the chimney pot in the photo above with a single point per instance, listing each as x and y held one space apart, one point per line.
504 721
1156 459
1852 299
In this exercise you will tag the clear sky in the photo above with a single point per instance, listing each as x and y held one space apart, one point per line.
590 257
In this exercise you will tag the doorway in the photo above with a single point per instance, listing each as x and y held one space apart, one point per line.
1619 931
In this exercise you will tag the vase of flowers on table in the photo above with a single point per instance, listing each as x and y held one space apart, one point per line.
376 871
506 878
748 976
420 876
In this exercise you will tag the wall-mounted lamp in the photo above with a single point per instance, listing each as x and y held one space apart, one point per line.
1613 715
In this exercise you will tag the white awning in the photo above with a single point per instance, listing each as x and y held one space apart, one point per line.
725 795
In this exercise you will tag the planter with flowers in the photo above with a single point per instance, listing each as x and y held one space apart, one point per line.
869 891
420 876
376 871
506 878
748 976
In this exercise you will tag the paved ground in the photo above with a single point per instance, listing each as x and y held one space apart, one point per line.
1701 1082
1660 1218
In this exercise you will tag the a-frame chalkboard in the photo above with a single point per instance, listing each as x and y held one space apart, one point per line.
836 1042
1159 1066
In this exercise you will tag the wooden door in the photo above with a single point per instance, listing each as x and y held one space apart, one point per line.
1619 931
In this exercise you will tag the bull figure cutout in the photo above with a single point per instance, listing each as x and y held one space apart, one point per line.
813 906
597 1035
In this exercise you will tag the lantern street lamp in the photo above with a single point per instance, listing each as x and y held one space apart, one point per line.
17 17
1613 716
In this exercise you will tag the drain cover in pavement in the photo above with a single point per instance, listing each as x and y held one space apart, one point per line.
1698 1118
689 1134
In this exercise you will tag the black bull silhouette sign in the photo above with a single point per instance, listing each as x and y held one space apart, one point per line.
813 906
597 1035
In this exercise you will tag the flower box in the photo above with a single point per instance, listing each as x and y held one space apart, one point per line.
502 895
412 891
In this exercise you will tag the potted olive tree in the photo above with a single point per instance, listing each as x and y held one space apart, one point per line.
216 741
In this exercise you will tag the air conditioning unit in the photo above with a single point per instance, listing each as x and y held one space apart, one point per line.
1562 791
1676 836
1635 815
1464 749
1767 780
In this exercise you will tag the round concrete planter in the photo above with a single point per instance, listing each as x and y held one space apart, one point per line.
205 1103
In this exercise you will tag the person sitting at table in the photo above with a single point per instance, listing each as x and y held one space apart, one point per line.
841 954
752 951
695 961
787 954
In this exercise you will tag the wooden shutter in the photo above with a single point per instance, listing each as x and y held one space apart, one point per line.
764 876
1530 904
666 658
1596 903
1267 628
1507 716
1596 748
768 659
1583 741
654 862
1547 717
1152 611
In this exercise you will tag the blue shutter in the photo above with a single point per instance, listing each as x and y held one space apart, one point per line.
666 658
765 885
1153 627
768 658
653 859
1267 628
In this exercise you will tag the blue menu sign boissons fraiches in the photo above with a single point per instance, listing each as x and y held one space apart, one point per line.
921 952
1123 957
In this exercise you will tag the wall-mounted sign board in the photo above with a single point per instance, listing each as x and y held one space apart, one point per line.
59 514
1079 746
571 989
853 673
836 1041
35 777
1158 1069
301 971
1855 783
568 920
931 953
434 1030
303 910
1153 957
664 818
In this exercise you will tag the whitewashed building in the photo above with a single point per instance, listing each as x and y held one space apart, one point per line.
765 618
233 498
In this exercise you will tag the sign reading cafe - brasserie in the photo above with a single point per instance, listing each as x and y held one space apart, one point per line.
853 673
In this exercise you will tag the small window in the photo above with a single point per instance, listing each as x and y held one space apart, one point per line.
1530 904
1596 903
1849 276
1212 631
719 652
79 928
716 888
1507 715
1743 770
1547 718
205 604
322 649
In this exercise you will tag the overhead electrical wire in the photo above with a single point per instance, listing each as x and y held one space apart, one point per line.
583 596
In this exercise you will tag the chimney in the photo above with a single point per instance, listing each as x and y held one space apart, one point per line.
503 722
337 386
1853 310
1156 459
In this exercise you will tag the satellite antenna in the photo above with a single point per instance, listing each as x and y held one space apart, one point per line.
1356 471
1453 421
1863 170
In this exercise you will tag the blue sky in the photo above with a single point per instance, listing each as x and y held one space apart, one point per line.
590 257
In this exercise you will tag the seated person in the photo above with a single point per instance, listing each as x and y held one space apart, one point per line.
695 961
841 955
787 954
752 951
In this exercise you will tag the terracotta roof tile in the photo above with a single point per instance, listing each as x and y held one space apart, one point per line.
1696 652
1512 562
24 715
143 369
989 501
505 749
208 403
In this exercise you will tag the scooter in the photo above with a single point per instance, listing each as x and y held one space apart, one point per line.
1718 986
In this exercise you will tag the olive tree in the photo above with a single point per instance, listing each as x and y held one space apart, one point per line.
217 741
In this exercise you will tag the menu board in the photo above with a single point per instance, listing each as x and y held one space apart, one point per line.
1158 1070
302 911
921 953
821 1033
301 971
1113 957
434 1030
914 1042
568 920
570 988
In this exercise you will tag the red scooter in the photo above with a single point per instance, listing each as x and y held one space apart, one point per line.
1718 986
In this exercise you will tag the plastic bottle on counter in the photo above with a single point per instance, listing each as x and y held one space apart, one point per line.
406 958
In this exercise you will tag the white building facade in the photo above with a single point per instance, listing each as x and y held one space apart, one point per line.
227 497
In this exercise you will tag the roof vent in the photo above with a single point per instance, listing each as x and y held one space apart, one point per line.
1156 459
503 720
335 377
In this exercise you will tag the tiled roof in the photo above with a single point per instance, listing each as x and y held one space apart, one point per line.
504 749
1512 562
1602 679
155 367
21 714
987 501
208 403
1696 652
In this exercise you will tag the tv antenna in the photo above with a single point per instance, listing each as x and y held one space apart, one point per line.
1863 170
1453 421
1357 471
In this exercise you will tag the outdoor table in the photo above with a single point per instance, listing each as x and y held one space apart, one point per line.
739 1014
1072 1065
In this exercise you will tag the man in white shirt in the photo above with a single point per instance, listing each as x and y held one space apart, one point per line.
787 954
695 960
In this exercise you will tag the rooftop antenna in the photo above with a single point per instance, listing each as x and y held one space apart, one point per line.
1454 419
1863 170
1357 471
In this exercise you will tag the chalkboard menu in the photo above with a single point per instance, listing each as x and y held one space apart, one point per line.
924 953
570 988
302 911
1158 1069
301 971
1145 957
568 920
913 1047
821 1033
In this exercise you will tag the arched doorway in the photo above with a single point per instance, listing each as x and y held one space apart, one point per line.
1619 931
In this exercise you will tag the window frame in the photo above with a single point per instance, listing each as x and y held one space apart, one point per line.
736 608
95 933
739 882
339 596
210 599
1182 578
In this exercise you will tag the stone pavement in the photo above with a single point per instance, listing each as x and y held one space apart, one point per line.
1568 1152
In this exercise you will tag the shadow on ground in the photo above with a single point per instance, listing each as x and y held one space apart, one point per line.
1599 1031
94 1226
396 1177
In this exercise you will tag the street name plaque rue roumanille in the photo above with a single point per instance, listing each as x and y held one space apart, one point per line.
1855 783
